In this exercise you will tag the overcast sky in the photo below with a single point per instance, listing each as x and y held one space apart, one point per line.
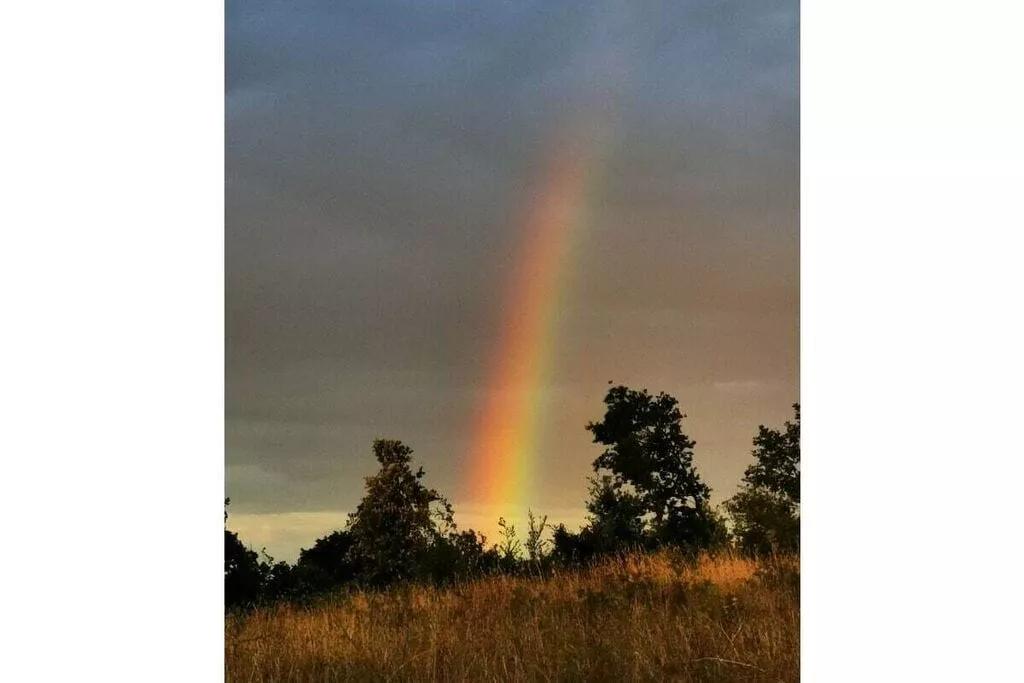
379 159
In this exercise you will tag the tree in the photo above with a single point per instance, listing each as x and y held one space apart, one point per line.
649 465
616 519
570 548
398 520
328 563
458 556
777 456
763 522
766 510
243 574
281 581
720 538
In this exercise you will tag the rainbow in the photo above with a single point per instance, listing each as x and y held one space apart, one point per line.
505 441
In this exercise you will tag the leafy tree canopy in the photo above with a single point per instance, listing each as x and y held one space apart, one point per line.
766 510
647 467
777 459
399 518
243 574
328 560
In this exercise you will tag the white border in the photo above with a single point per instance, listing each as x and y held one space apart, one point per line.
111 273
911 340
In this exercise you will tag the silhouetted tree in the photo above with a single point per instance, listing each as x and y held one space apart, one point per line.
398 520
565 546
459 555
766 511
763 522
777 460
243 575
577 548
328 563
649 461
282 581
616 519
721 537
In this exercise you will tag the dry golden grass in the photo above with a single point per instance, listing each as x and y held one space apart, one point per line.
638 618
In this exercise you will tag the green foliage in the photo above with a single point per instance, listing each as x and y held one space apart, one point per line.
458 555
327 564
766 511
651 491
777 455
719 536
399 519
616 519
763 522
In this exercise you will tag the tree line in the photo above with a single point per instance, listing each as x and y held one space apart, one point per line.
645 494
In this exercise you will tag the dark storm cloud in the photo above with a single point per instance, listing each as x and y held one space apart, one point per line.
379 157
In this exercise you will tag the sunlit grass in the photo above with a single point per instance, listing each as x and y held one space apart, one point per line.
641 617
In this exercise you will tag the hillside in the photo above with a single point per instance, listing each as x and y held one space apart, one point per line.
636 618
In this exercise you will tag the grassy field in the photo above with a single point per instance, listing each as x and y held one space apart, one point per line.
638 618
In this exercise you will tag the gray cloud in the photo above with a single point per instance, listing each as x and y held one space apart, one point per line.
379 159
